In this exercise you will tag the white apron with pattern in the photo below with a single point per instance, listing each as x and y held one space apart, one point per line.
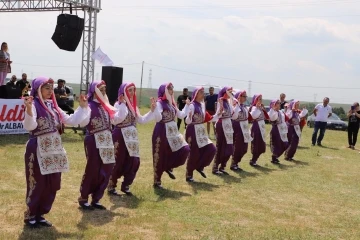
202 138
297 130
244 125
174 137
51 155
283 130
104 143
262 129
228 130
131 140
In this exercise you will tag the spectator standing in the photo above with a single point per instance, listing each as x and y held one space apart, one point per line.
210 101
181 102
24 85
5 62
354 124
283 103
61 94
322 112
12 91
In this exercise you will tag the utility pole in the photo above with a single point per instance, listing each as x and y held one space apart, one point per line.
142 73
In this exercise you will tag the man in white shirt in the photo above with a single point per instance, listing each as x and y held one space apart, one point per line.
322 112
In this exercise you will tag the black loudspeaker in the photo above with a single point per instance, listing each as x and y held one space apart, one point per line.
68 32
113 76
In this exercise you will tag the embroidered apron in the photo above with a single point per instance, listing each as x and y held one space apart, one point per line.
228 130
244 125
202 138
131 140
104 143
175 139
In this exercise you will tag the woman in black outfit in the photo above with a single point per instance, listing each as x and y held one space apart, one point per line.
354 124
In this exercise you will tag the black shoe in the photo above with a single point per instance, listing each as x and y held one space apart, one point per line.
312 144
217 172
44 223
126 190
190 179
275 162
31 225
98 206
86 207
289 159
113 192
158 186
224 172
201 173
171 175
319 144
253 164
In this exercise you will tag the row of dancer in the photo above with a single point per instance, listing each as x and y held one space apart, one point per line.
113 152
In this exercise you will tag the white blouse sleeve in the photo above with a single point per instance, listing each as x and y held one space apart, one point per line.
273 115
188 120
182 114
303 113
121 113
80 115
146 118
157 112
236 112
30 122
288 113
255 112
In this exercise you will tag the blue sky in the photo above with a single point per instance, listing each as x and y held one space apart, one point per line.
276 44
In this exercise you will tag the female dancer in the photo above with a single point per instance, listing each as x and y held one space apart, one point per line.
258 131
224 131
45 157
294 131
125 137
99 147
170 150
202 150
278 135
242 135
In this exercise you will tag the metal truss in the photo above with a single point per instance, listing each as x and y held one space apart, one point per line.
90 8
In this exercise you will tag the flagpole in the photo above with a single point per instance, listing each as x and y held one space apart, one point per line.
142 73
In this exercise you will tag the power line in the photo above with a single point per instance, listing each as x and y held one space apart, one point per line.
239 80
261 5
69 66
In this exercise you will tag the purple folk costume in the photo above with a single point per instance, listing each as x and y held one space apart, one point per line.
126 141
224 132
170 149
202 150
258 131
278 135
99 148
45 157
241 129
294 131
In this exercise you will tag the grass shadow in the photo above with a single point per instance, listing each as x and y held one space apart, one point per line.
245 174
164 194
331 148
284 167
202 186
48 234
230 179
20 139
302 147
97 218
264 169
125 201
300 162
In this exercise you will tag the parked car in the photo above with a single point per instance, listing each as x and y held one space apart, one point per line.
70 99
334 122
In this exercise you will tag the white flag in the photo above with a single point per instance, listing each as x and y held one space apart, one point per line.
102 57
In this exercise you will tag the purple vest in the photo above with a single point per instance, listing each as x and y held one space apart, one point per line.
242 115
129 120
227 111
198 116
169 112
278 120
294 119
45 121
99 119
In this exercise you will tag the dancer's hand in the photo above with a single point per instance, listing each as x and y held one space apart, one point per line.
153 104
83 101
28 102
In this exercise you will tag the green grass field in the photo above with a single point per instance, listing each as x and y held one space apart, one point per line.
315 197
